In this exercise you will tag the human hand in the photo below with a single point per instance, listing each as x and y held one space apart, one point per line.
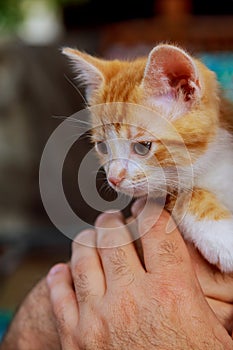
106 299
216 286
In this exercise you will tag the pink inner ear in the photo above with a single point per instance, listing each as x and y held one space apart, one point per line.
170 71
174 61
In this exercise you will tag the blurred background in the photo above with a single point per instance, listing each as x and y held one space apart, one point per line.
37 91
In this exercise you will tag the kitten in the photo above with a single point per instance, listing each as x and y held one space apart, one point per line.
186 94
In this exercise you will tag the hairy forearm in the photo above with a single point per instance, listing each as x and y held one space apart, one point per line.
33 326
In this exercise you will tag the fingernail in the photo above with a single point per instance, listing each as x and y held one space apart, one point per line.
53 272
56 269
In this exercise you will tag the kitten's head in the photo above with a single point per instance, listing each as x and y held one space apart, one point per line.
153 116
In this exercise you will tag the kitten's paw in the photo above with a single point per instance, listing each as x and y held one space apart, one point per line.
214 239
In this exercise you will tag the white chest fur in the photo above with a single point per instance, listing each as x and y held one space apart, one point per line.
215 169
214 172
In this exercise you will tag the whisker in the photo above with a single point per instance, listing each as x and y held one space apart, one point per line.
78 137
106 189
76 89
79 121
78 124
99 171
102 187
98 179
173 183
59 117
164 191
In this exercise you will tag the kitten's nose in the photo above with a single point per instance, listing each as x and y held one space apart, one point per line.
115 180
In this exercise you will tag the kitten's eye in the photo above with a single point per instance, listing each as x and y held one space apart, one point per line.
101 147
142 148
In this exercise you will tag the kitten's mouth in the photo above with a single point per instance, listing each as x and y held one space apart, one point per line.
133 189
139 189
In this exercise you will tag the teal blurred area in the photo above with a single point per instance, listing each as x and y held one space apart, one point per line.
222 64
5 318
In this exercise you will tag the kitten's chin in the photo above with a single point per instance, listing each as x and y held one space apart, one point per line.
130 191
133 192
137 193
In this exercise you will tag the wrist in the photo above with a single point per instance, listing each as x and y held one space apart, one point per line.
33 326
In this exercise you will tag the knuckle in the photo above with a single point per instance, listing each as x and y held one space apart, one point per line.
169 252
119 258
82 287
120 266
80 264
80 269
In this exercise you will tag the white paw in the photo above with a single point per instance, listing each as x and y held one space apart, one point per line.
214 239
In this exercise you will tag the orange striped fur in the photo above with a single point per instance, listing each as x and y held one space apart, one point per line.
122 83
174 86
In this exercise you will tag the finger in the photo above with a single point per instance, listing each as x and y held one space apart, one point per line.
86 268
223 311
119 257
138 206
214 283
133 227
161 250
64 302
111 230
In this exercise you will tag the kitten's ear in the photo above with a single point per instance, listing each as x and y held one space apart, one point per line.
88 69
171 77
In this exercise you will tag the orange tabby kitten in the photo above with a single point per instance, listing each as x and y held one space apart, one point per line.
185 93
